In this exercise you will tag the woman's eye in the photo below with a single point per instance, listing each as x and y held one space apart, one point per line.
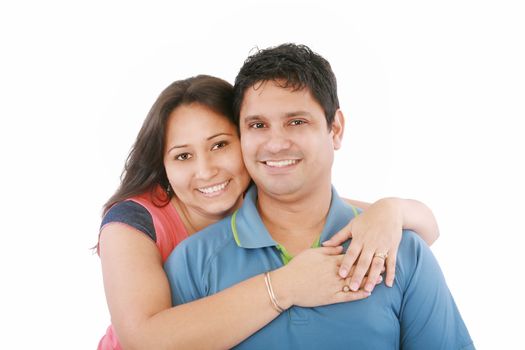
219 145
183 156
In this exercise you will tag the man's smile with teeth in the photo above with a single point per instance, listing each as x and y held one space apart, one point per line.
280 163
213 189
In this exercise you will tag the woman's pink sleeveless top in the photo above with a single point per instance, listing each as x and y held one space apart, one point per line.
169 230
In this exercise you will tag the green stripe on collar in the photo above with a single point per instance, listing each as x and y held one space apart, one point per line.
234 229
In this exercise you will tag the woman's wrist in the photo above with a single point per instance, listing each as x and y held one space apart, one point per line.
396 207
417 217
280 284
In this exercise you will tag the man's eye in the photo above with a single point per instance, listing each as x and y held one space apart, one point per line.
219 145
297 122
183 156
257 125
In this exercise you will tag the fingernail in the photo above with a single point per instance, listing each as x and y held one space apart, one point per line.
354 286
390 283
343 272
380 279
369 287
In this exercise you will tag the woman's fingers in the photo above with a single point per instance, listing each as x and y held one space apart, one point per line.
353 252
360 270
374 273
342 296
331 250
377 281
391 267
340 237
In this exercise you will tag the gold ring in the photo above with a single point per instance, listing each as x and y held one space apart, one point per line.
346 288
381 255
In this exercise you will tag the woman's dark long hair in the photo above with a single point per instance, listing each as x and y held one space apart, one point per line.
144 168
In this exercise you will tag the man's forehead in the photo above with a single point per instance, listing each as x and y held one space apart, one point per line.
292 86
269 91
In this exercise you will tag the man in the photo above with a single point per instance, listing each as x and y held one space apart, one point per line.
290 124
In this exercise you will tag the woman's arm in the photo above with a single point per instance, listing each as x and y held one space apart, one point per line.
378 230
139 300
416 216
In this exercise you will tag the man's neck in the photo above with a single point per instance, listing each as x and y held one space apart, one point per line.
295 223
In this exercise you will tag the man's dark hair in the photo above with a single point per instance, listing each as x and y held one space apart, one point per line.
292 66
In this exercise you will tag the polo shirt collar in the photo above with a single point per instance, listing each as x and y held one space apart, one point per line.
249 230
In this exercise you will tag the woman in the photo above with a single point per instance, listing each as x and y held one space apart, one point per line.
184 173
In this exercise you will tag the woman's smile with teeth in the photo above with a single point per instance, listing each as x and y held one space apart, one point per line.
213 189
280 163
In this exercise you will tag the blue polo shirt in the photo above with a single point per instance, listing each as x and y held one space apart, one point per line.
418 312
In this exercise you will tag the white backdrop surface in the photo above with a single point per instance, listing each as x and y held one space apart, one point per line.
434 99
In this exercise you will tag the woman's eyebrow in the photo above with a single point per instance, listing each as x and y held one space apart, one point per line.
207 139
219 134
175 147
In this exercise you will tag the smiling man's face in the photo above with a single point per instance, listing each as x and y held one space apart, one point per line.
286 144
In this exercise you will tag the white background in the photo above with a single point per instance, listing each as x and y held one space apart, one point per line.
433 93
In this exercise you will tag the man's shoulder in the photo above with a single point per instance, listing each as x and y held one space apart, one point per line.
413 257
203 244
411 247
188 266
412 243
213 234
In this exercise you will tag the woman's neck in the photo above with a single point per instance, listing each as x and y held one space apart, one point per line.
192 220
195 220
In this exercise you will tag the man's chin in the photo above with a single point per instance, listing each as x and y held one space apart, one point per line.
279 189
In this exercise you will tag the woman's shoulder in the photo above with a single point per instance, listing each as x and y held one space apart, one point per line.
131 213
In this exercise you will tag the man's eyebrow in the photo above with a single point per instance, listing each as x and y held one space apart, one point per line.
298 113
286 115
207 139
252 117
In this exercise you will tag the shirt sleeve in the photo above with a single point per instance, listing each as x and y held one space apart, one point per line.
429 316
132 214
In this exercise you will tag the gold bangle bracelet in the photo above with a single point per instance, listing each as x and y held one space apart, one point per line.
271 294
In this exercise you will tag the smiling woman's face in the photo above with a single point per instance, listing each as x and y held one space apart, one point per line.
203 160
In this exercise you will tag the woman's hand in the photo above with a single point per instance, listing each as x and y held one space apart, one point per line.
311 279
375 233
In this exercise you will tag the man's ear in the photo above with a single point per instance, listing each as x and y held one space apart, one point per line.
338 128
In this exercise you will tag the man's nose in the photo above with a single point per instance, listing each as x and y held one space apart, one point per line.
277 141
